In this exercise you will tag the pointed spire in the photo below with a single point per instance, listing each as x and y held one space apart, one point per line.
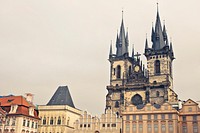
171 48
126 39
122 45
146 44
164 32
110 54
133 53
152 33
158 43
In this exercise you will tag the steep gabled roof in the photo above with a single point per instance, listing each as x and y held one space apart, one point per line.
62 97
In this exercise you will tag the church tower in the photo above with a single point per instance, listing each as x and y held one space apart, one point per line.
159 64
120 62
160 56
126 71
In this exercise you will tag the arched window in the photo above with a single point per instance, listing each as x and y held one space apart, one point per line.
116 104
118 71
51 121
129 70
157 93
44 121
59 120
157 67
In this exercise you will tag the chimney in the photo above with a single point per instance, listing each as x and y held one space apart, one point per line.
29 97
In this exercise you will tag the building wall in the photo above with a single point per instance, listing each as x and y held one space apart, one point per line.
107 123
150 119
67 115
14 124
189 117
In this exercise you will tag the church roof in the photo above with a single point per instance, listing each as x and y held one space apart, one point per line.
61 97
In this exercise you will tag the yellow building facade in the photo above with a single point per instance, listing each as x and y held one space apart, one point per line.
60 114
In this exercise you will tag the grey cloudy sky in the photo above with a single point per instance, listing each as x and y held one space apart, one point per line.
47 43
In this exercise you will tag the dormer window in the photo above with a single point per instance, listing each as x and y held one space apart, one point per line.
31 111
13 108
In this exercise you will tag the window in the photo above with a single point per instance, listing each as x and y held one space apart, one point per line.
24 122
59 120
103 125
170 128
116 104
134 128
118 71
140 117
184 118
195 128
114 125
163 128
88 125
51 121
129 70
114 71
170 116
13 121
108 125
36 125
155 117
28 123
127 127
149 128
140 128
184 129
163 116
149 117
194 118
44 121
84 125
8 122
157 67
155 128
189 109
32 126
134 117
127 117
157 93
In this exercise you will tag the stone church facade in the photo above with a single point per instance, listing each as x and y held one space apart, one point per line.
131 82
143 97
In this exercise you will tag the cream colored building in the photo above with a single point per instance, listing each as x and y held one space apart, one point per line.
189 117
150 119
21 114
107 123
59 115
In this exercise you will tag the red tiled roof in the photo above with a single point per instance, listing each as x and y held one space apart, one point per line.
10 100
23 105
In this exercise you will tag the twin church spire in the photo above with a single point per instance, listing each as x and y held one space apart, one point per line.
122 41
159 39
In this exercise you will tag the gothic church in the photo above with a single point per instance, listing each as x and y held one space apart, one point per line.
133 84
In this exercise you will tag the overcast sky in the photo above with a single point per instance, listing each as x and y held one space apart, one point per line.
48 43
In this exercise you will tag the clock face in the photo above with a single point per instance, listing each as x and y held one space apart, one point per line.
136 68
